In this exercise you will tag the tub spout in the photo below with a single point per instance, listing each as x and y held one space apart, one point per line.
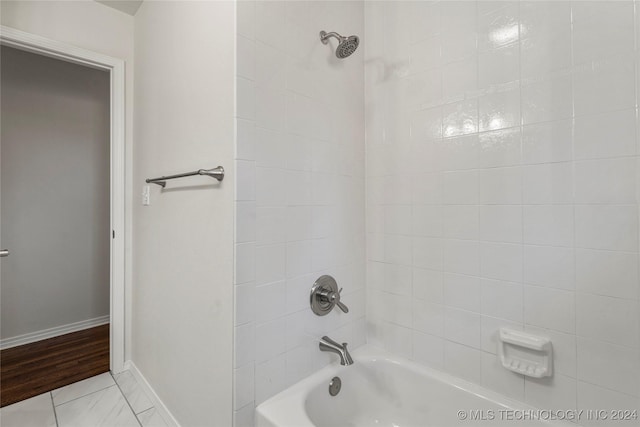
327 344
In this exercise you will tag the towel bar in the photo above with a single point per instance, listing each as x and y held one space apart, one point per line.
217 173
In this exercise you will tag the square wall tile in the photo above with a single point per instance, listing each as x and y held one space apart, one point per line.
608 365
270 301
549 266
427 285
603 35
500 66
501 186
547 142
270 263
460 222
608 273
608 319
502 300
608 181
460 118
462 327
498 26
428 318
499 110
461 256
607 227
462 361
549 308
428 350
547 184
460 188
501 261
500 148
427 220
606 135
547 100
550 225
462 292
459 79
501 223
604 86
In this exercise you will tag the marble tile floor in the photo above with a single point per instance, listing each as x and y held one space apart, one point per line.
105 400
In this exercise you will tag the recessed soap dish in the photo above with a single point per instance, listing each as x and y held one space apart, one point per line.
525 353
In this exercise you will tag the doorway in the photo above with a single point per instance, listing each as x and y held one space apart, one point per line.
62 204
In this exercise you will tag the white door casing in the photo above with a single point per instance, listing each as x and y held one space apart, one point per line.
116 68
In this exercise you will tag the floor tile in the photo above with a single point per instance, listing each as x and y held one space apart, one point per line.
82 388
34 412
133 392
151 418
104 408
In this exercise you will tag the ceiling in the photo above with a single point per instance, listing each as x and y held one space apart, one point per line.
127 6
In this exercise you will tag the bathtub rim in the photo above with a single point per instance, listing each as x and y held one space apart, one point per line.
277 410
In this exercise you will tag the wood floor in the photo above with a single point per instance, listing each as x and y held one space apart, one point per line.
33 369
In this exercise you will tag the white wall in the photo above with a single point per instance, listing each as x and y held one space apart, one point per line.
182 311
99 28
502 190
55 193
300 191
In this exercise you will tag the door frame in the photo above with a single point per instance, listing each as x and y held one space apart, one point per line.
116 67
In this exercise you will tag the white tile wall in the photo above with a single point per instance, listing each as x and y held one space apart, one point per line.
503 173
502 187
300 192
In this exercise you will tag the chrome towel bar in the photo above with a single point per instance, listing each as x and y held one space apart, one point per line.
217 173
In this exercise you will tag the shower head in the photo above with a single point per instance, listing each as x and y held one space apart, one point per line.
346 45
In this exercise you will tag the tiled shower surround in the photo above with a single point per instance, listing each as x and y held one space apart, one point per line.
300 192
502 186
502 190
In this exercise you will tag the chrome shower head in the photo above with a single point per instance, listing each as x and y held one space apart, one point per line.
346 45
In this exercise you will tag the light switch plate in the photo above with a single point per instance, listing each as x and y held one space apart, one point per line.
146 195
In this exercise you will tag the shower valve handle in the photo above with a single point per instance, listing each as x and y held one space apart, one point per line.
334 298
339 303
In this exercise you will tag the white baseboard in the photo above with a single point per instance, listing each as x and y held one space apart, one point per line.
52 332
150 392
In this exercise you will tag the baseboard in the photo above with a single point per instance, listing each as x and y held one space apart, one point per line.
52 332
150 392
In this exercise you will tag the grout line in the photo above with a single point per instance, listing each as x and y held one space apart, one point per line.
573 192
84 395
522 168
55 414
124 396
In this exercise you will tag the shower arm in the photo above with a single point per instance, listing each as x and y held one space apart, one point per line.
324 36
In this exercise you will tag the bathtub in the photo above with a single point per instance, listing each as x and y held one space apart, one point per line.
384 390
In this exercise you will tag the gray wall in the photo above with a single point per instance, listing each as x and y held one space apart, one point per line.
183 254
55 192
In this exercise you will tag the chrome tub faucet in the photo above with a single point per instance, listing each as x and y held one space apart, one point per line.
327 344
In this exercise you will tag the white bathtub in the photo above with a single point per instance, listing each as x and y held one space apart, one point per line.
383 390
